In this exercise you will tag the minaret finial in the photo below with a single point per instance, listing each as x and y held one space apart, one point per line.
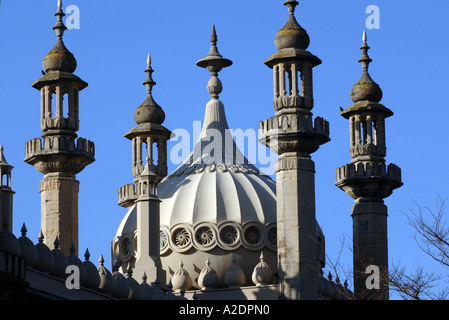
60 27
149 82
365 60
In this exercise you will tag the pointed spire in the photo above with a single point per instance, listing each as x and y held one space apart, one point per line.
213 40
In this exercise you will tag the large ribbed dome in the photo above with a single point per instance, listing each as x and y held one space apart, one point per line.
217 188
217 205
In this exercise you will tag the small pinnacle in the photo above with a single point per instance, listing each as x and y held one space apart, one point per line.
56 243
72 248
364 38
87 255
24 230
213 36
149 60
40 237
101 260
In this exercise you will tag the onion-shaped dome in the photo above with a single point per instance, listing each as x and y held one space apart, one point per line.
27 248
292 35
208 278
45 259
106 281
92 280
366 90
234 277
59 59
181 279
262 274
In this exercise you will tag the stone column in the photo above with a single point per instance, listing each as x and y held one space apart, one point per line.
297 246
59 210
148 240
370 248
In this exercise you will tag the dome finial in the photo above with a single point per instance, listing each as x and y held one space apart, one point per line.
149 82
59 27
214 62
291 5
365 60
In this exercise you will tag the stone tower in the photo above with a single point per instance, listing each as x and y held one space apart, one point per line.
149 141
59 154
6 193
294 135
368 180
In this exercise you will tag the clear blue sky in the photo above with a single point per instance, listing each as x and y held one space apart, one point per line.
410 53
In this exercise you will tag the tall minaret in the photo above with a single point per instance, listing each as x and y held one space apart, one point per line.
294 135
148 133
6 193
59 155
368 180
